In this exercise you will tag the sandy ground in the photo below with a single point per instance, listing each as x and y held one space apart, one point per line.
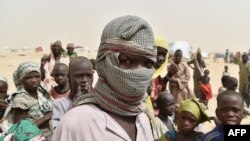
9 63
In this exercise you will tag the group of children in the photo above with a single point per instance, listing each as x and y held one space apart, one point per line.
30 122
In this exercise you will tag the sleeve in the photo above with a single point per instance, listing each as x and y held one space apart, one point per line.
57 113
20 101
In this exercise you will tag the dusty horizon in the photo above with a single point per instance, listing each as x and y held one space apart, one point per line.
211 25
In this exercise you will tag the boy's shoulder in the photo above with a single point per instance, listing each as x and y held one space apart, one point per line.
214 135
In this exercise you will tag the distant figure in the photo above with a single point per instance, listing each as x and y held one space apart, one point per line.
225 72
178 84
60 74
244 71
229 111
206 90
70 51
167 108
198 67
246 92
226 57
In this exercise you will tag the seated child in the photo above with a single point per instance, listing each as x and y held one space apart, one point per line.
189 114
60 74
166 105
206 91
229 111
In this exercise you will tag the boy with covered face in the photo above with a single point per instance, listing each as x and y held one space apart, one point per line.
125 65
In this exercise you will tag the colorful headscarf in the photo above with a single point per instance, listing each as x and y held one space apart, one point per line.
122 91
194 107
22 70
160 42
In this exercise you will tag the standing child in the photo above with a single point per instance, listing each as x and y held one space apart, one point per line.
206 91
225 72
166 104
60 74
229 111
189 115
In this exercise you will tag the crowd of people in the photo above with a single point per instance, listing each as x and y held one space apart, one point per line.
141 94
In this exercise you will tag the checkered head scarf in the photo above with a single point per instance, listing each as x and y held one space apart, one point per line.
22 70
122 91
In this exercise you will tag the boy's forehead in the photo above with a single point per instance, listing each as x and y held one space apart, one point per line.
232 99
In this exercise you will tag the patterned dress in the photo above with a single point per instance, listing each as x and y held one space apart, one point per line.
36 108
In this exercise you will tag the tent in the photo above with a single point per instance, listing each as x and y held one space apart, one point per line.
82 51
39 49
183 46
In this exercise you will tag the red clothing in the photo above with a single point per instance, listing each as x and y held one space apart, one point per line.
57 95
206 89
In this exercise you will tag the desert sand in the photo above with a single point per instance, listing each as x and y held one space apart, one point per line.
10 61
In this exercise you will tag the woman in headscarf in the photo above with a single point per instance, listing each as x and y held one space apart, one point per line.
30 101
199 65
189 115
48 62
158 82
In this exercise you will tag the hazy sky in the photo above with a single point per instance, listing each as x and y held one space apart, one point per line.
213 25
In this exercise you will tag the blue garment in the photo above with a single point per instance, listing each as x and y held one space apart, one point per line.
171 135
215 135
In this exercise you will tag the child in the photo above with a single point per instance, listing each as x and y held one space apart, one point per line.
166 104
81 79
225 72
60 74
229 111
224 83
232 83
206 91
189 115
